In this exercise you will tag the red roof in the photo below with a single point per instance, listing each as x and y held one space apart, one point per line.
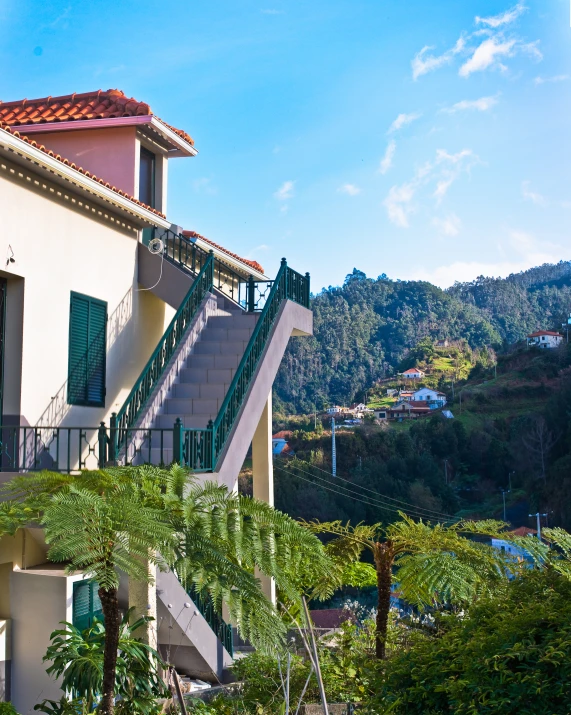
98 104
283 434
523 531
538 333
254 264
419 404
411 370
51 153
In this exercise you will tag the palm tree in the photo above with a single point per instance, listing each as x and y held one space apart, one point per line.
117 519
434 563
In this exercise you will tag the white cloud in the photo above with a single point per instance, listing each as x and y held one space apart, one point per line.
556 78
387 160
532 196
349 189
285 191
422 63
486 55
504 18
203 185
398 204
440 173
402 120
481 105
449 226
271 11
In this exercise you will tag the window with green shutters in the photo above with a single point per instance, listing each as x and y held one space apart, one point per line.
87 351
86 604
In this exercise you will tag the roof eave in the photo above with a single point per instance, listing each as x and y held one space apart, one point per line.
243 268
180 147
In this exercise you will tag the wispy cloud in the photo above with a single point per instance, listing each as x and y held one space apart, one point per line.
555 78
285 192
437 176
387 160
532 196
349 189
203 185
504 18
486 55
271 11
481 105
402 120
449 226
423 63
59 22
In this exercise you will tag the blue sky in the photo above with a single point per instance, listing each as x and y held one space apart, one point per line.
413 138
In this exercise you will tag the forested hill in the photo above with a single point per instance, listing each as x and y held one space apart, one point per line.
364 328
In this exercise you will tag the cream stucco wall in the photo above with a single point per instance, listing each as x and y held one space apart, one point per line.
60 247
108 153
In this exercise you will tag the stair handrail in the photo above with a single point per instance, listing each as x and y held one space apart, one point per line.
150 375
288 285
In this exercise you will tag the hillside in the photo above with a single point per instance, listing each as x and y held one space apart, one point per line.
364 330
510 431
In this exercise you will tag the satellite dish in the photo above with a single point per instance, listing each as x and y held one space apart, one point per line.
156 246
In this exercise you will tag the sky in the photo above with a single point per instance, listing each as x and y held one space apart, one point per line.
423 140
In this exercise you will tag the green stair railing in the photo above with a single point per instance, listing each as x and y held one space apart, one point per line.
207 609
201 448
122 421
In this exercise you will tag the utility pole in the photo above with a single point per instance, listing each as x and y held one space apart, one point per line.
446 471
333 450
538 517
504 492
510 479
314 417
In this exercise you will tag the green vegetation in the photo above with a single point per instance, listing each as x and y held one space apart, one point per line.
364 329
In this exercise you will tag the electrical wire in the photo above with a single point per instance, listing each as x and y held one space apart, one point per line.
349 494
139 290
420 511
384 496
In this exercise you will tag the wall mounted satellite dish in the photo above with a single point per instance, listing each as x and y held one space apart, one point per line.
156 246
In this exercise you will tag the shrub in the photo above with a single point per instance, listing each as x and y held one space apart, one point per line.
7 709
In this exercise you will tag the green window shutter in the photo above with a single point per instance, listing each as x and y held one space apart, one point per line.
86 604
87 351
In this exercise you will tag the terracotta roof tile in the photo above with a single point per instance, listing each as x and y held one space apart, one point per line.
51 153
253 264
538 333
523 531
99 104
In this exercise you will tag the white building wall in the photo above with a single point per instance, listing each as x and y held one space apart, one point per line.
60 247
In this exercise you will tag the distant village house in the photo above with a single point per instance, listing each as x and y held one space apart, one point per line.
434 398
544 339
413 373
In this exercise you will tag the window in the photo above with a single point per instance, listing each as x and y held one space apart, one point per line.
87 351
147 178
86 604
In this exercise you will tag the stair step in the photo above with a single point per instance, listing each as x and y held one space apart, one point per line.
213 376
226 334
192 390
213 361
191 406
228 322
188 421
225 347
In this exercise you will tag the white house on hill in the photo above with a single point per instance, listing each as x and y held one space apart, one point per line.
544 339
434 398
413 373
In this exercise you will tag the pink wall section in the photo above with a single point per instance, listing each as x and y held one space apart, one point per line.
108 153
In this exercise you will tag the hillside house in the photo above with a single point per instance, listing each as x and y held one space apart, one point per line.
123 339
336 410
544 339
413 373
280 442
406 395
442 343
511 549
434 398
408 410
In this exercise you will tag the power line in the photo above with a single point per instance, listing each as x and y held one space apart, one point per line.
378 494
350 494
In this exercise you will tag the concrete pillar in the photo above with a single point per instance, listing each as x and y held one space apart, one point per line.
143 598
263 476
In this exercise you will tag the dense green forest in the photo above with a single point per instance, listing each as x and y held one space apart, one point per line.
365 328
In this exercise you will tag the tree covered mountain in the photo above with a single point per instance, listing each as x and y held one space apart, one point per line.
364 328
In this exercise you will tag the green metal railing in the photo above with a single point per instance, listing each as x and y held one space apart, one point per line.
125 419
206 607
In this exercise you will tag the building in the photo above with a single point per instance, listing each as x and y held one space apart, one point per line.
406 395
408 410
413 373
544 339
434 398
512 549
280 442
123 339
444 343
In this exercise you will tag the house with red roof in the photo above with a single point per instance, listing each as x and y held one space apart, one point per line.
125 338
413 373
544 339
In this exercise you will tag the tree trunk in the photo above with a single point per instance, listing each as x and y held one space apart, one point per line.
110 607
384 557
